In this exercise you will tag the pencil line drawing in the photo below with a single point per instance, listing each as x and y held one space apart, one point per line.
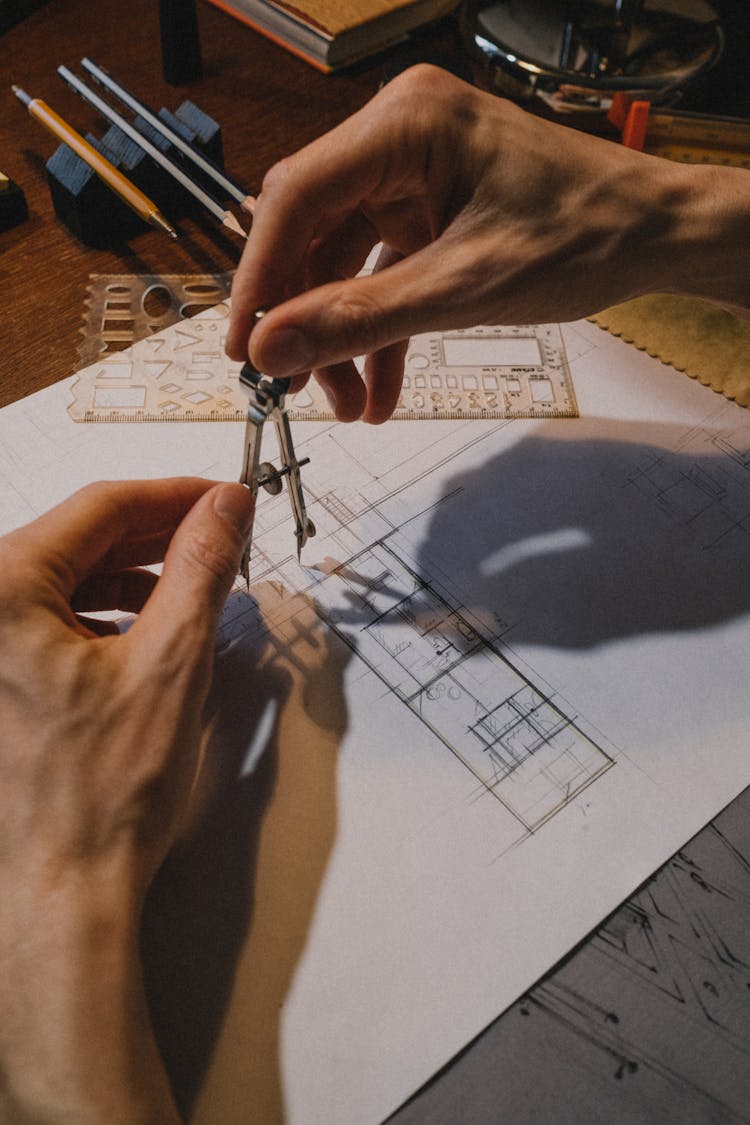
537 693
514 739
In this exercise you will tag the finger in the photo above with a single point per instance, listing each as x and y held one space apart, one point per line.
384 369
331 176
126 590
343 252
341 256
180 618
335 322
70 539
270 287
89 627
344 390
298 383
384 376
135 552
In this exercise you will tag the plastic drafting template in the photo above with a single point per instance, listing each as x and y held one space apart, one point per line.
181 373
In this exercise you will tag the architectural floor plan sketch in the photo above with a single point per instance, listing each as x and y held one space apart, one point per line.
513 739
706 495
506 684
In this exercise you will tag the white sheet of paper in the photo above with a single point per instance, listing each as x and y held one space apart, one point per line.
507 683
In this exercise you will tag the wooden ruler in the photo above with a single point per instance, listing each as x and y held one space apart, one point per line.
694 138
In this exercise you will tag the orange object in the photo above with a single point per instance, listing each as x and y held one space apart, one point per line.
631 118
145 208
618 111
634 129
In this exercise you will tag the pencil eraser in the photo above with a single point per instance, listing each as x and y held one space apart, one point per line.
13 209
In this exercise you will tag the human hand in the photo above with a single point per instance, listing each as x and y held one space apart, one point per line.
99 742
487 214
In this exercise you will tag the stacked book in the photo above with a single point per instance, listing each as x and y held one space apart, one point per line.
335 33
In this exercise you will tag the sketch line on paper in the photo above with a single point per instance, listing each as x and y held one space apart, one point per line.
675 953
515 740
518 739
650 1014
708 501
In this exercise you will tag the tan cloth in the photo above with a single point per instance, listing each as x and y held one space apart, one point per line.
707 343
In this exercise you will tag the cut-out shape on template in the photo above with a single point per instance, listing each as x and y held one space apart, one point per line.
489 371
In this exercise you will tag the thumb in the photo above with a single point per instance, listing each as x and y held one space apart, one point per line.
200 565
335 322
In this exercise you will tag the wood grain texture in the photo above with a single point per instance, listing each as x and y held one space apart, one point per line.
268 103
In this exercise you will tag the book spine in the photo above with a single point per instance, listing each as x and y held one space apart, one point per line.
227 7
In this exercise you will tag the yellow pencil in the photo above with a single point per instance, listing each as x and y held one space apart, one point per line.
144 207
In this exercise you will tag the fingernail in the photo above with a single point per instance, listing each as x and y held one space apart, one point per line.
287 351
234 503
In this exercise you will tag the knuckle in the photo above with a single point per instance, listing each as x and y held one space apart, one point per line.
419 80
277 177
204 552
99 491
361 321
105 496
428 90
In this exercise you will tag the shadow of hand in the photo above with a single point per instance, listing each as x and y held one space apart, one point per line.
605 532
227 917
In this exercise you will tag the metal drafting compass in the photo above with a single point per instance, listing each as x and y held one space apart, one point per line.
266 398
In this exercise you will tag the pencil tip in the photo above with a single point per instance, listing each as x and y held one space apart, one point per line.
157 220
233 223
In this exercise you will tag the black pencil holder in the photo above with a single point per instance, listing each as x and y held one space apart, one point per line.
13 208
92 211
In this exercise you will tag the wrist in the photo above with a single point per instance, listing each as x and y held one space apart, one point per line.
75 1036
708 210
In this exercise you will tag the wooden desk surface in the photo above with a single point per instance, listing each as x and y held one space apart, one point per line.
267 102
